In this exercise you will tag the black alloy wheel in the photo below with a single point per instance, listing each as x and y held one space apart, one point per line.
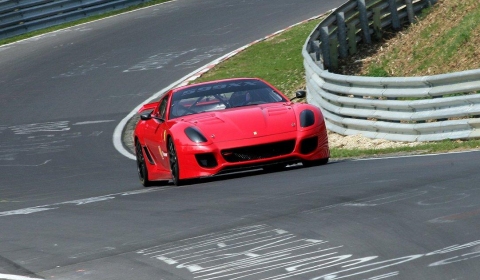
174 166
142 166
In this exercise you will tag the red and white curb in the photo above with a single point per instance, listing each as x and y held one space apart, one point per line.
117 134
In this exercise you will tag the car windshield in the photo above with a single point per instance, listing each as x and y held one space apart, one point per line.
222 95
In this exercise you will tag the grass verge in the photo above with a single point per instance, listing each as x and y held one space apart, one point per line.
426 148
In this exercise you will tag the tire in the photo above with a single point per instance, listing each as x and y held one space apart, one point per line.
174 166
309 163
142 166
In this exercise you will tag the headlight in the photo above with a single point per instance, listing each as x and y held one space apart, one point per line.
195 135
307 118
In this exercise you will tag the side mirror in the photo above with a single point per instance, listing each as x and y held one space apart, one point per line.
299 94
145 117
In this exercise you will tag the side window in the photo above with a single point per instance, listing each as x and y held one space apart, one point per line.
162 109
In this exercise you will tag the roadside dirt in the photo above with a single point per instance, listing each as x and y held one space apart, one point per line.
360 142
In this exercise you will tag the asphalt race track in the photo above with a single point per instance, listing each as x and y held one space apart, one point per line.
71 206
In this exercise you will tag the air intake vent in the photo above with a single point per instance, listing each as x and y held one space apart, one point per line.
308 145
206 160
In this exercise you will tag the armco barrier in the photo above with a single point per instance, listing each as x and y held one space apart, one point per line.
22 16
428 108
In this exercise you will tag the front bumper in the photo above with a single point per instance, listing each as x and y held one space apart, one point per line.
208 160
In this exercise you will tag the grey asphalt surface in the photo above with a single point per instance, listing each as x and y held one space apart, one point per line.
71 206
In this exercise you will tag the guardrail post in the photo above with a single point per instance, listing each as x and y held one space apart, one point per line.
314 47
334 53
377 22
362 9
410 12
392 4
342 35
352 38
325 39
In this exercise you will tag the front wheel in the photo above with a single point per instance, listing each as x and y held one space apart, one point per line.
142 166
174 165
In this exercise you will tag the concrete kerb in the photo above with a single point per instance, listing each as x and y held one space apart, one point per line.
122 135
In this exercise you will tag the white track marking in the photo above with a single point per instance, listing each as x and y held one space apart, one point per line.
93 122
40 127
78 202
157 61
26 211
268 253
41 138
17 277
26 165
383 276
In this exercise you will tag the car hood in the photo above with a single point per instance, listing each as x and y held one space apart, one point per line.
246 122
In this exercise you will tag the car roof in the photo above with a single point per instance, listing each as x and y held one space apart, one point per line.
215 82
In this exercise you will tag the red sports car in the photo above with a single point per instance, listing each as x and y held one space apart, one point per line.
223 126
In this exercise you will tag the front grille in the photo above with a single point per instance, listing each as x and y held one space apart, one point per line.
259 151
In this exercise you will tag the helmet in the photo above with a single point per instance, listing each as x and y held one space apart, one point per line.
239 98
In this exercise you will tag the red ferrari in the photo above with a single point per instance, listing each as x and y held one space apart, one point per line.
224 126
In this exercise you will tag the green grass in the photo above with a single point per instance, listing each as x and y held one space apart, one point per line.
446 48
377 71
77 22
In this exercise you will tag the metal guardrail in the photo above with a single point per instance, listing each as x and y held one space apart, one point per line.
358 21
21 16
428 108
